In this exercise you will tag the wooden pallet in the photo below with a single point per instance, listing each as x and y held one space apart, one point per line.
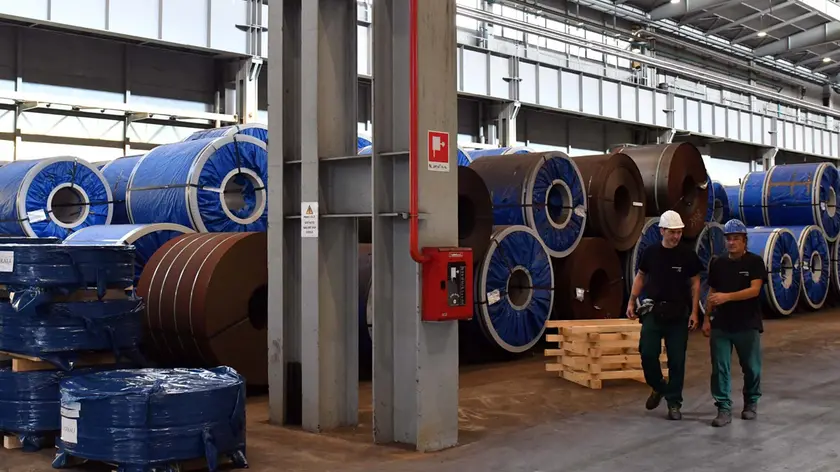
21 363
12 441
591 351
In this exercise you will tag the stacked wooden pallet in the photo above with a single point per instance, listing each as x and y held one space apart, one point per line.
591 351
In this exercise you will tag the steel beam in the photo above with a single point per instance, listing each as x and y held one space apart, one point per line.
671 10
415 371
822 34
770 28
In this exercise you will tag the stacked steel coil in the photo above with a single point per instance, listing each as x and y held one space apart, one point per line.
675 179
204 308
588 284
815 257
710 244
615 196
720 205
780 251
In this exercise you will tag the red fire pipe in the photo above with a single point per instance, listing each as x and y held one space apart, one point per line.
413 136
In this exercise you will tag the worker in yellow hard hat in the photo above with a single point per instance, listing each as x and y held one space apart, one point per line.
669 273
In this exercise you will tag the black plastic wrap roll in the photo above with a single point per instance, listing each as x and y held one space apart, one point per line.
475 212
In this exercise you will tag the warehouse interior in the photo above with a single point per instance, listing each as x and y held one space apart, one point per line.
400 134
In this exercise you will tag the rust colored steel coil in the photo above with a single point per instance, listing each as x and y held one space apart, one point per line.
616 198
675 179
475 213
588 283
207 302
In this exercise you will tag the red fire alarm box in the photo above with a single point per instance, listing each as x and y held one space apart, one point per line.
447 284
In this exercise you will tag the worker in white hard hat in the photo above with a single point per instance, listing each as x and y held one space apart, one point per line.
733 320
669 273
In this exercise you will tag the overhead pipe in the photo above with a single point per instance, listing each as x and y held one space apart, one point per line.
414 113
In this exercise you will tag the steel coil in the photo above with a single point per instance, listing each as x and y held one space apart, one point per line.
803 194
588 284
733 198
543 191
751 199
780 251
502 151
52 197
514 289
257 130
650 235
720 205
675 179
710 244
835 266
615 198
815 257
204 307
475 212
365 312
117 173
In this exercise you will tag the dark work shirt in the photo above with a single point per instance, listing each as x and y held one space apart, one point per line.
732 275
668 273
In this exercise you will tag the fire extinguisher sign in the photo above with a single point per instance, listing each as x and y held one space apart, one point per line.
438 151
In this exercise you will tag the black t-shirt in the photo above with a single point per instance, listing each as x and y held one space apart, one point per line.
732 275
668 273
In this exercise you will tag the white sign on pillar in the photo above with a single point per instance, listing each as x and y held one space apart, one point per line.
309 219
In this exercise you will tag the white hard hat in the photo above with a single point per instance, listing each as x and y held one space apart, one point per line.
671 220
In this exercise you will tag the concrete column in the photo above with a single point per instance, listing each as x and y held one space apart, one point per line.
415 371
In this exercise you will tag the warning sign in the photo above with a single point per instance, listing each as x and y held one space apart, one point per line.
309 219
438 151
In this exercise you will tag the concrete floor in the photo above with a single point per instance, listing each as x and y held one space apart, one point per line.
517 417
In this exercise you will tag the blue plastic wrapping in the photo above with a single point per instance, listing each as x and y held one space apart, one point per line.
733 197
478 153
780 251
146 239
650 235
463 157
366 151
56 332
147 418
751 199
542 191
117 173
363 141
514 289
835 265
257 130
720 204
30 403
49 266
815 258
710 204
52 197
710 243
208 185
803 194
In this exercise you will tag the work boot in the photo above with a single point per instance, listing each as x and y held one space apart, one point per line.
749 412
653 400
674 413
723 418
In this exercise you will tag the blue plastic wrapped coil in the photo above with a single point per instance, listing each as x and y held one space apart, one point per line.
543 191
514 289
710 243
478 153
733 195
710 203
780 251
208 185
44 266
649 236
30 403
257 130
55 332
463 157
721 203
117 173
815 258
835 265
803 194
363 141
146 239
751 199
52 197
153 417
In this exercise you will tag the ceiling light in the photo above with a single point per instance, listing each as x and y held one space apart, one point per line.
761 34
675 1
826 59
636 50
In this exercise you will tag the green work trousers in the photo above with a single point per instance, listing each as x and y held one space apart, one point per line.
747 344
675 334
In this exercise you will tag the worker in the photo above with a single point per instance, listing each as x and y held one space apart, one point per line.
669 273
733 319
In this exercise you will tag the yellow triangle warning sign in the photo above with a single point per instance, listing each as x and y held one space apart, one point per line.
309 210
